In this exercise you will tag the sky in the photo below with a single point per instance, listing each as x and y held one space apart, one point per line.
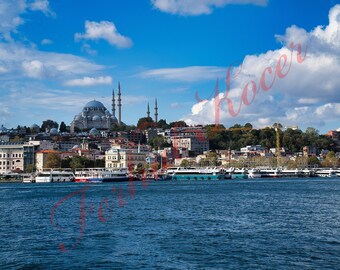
56 55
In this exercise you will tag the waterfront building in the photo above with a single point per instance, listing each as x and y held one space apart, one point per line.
124 158
16 157
95 116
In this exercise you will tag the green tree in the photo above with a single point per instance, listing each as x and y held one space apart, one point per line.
163 124
178 124
145 123
63 127
313 161
185 163
48 124
53 160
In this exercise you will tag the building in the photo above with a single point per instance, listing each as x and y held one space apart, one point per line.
95 116
124 158
16 157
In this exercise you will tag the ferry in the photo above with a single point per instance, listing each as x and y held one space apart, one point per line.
270 173
326 173
192 173
55 175
28 178
254 173
99 175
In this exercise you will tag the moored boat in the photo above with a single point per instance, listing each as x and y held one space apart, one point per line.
193 173
55 175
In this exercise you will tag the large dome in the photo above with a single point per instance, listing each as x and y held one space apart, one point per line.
94 104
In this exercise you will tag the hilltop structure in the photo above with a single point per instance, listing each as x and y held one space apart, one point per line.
95 116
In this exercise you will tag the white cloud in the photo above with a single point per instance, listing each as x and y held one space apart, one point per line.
43 6
198 7
24 61
307 95
89 81
104 30
11 11
3 69
34 69
46 41
185 74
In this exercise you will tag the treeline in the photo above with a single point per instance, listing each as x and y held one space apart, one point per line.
239 136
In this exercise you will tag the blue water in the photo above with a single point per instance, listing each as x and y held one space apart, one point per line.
241 224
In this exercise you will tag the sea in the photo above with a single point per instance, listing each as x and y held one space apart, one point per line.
230 224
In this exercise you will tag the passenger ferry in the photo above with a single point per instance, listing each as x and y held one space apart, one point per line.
55 175
99 175
192 173
254 173
270 173
326 173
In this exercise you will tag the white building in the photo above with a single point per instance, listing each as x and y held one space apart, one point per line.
15 157
124 158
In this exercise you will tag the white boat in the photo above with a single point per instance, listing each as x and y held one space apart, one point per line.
192 173
326 173
28 178
271 173
55 175
254 173
98 175
292 173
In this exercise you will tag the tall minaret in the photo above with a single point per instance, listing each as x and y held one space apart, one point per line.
113 103
148 111
156 111
119 105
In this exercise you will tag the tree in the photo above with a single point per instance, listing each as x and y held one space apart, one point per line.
53 160
184 163
63 127
145 123
163 124
48 124
313 161
178 124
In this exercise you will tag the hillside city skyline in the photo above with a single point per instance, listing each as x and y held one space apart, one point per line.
50 69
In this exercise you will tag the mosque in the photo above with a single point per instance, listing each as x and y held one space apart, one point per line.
96 116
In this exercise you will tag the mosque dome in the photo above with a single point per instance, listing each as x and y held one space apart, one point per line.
93 131
53 131
77 117
103 117
94 104
3 129
35 128
96 118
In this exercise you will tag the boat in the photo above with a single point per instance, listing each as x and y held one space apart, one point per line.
237 173
28 178
254 173
55 175
292 173
99 175
192 173
326 173
270 173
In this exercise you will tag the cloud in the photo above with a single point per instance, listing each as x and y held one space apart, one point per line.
104 30
46 41
307 95
89 81
23 61
11 11
185 74
198 7
43 6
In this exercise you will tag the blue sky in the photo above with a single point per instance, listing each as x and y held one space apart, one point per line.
57 55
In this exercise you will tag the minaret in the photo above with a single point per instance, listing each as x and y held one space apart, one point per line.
148 111
119 105
113 103
156 111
